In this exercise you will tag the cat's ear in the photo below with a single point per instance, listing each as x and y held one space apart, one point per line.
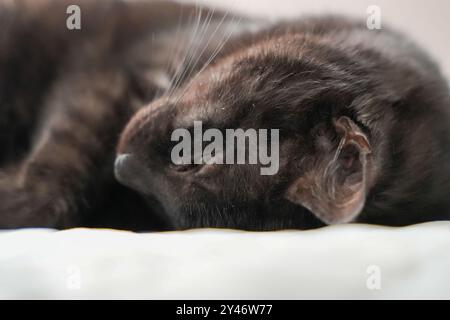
334 186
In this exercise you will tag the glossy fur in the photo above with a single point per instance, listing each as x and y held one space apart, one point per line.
364 119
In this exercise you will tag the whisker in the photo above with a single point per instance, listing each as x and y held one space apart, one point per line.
189 53
212 57
169 64
205 30
179 65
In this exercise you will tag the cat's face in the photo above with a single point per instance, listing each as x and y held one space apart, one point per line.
320 161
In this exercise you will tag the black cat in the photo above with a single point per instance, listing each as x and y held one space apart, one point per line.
363 117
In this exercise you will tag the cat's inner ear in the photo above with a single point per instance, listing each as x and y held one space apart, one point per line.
334 186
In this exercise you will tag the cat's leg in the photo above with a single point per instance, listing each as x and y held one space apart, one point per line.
72 155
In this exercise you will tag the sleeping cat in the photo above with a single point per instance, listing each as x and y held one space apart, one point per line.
363 118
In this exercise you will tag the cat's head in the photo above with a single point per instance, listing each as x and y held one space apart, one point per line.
321 157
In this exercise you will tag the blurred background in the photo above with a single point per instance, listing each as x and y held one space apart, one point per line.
426 22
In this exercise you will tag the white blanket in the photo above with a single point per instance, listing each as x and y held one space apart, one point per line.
348 261
351 261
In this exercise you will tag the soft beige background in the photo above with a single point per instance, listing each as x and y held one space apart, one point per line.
426 21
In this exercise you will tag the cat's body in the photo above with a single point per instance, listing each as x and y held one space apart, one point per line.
81 87
66 96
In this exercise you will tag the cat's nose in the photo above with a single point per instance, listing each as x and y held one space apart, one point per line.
124 167
129 171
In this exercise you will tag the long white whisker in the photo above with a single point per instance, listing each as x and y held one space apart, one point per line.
189 53
208 62
173 63
169 64
205 31
177 74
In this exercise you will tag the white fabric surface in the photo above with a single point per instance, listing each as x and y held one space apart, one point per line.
329 263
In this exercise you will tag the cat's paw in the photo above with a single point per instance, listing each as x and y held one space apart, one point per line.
21 208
